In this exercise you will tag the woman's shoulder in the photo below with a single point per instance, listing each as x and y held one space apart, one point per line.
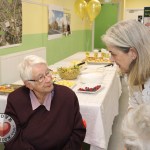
21 89
64 92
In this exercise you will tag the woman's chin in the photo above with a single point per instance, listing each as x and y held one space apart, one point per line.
49 88
122 71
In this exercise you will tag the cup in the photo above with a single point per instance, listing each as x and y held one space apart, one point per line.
95 53
87 54
104 53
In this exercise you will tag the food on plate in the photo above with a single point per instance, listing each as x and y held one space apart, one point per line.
97 60
8 88
69 73
67 83
91 89
4 88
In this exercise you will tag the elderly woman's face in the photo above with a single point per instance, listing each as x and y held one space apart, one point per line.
43 83
123 60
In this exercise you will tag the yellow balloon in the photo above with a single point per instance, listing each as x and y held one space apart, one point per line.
87 1
93 9
80 8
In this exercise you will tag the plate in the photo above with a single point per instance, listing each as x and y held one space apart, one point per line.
90 89
97 61
5 89
93 78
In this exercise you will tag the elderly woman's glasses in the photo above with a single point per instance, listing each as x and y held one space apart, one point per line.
42 77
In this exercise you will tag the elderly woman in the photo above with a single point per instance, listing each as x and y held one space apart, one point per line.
129 44
47 116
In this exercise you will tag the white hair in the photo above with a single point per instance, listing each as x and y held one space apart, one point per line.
136 128
25 67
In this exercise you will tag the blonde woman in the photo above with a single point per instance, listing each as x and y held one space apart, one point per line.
129 44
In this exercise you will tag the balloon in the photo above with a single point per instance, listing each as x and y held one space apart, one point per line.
87 1
80 8
93 9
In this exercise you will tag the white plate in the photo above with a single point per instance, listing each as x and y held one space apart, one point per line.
90 92
93 77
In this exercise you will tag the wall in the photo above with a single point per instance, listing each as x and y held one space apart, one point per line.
121 9
129 4
107 17
35 28
14 59
102 23
135 4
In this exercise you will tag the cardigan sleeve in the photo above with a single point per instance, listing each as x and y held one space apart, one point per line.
135 97
79 130
17 142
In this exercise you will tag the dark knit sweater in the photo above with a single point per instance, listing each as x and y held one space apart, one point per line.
61 128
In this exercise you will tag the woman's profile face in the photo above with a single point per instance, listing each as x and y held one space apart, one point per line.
123 60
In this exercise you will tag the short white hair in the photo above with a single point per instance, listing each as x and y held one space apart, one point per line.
25 67
136 128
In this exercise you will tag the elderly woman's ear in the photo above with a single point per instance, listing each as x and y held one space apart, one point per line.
133 53
28 85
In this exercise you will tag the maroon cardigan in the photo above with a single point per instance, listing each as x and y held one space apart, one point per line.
61 128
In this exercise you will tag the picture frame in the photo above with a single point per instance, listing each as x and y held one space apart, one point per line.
58 22
11 23
55 22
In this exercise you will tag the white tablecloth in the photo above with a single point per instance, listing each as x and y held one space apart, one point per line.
99 109
3 102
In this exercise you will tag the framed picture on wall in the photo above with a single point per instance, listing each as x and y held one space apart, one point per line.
58 22
55 22
10 23
66 24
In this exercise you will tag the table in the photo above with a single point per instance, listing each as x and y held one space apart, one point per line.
3 103
99 109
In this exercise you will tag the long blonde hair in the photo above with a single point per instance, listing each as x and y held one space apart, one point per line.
132 34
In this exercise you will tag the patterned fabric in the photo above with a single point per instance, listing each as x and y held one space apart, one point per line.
139 96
